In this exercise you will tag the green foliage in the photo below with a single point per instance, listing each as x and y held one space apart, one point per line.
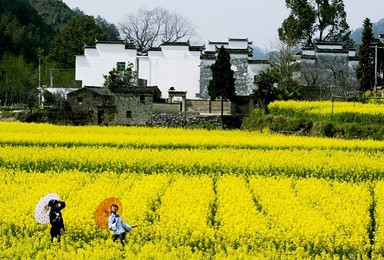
310 126
49 98
22 30
266 90
17 78
79 32
222 83
118 78
365 68
54 13
110 30
307 18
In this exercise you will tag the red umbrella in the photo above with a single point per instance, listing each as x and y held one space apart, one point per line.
42 209
103 211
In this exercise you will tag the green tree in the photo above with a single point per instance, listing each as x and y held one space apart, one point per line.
326 18
266 91
365 69
223 83
49 98
119 78
80 31
285 62
17 78
110 30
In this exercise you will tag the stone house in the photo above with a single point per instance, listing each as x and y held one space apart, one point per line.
328 69
244 67
125 106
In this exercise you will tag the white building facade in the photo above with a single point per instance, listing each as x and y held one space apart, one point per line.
172 65
328 69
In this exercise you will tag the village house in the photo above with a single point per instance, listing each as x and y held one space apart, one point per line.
172 65
328 70
126 106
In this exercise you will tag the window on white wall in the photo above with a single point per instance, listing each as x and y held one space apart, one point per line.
120 66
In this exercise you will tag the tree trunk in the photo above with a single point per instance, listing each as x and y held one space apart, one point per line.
222 112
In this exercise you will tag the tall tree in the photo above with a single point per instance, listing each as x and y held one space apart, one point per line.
80 31
222 83
365 69
150 28
110 30
325 19
284 60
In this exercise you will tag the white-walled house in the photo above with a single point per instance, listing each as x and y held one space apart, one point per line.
171 65
100 59
328 69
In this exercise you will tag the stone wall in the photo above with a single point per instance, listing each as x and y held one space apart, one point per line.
207 106
169 108
130 110
186 119
191 119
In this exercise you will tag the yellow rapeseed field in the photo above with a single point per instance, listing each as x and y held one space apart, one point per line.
195 194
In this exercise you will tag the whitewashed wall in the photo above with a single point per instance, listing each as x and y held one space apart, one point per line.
98 61
172 66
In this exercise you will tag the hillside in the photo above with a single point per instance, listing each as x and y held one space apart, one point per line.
22 30
378 28
54 12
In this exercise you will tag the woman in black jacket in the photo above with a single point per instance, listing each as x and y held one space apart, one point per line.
56 218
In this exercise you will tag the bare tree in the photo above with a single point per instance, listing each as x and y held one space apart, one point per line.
150 28
329 73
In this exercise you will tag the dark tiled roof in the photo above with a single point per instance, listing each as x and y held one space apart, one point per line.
259 62
328 43
155 49
175 44
331 50
218 43
196 48
135 89
98 90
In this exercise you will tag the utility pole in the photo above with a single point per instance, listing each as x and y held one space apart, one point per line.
39 73
51 77
375 84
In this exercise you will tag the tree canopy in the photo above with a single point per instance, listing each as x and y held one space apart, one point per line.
322 19
222 83
79 32
22 30
150 28
365 69
120 77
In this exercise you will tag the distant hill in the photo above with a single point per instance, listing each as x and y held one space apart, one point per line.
22 30
378 28
54 12
260 54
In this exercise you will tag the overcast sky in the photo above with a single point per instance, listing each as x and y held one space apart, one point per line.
216 20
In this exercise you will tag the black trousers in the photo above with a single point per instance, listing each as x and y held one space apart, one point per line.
55 233
119 236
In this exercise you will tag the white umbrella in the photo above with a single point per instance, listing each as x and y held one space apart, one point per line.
42 209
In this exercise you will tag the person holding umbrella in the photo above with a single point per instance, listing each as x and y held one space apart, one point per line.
56 218
117 225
